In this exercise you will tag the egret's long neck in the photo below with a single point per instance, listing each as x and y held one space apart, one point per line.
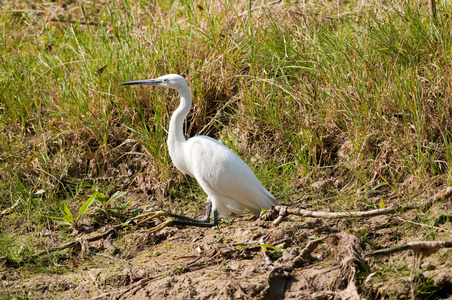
176 126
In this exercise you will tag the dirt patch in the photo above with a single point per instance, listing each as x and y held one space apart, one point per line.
244 259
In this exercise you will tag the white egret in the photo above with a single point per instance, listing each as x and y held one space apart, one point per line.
229 183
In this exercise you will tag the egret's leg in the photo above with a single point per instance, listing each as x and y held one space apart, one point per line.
191 219
198 223
180 220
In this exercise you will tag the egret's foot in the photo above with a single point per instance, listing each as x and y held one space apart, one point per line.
164 218
202 222
170 219
189 221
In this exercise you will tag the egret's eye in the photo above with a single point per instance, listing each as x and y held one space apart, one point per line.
165 80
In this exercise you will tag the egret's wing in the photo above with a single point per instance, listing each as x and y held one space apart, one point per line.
221 172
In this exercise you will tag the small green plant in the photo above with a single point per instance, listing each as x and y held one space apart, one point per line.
225 268
118 209
155 254
274 251
68 218
180 269
368 203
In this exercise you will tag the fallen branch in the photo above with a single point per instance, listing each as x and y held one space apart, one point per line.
283 211
421 249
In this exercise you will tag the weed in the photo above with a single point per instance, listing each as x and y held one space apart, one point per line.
275 252
106 203
68 218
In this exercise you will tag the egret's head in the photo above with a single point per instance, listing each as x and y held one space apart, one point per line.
173 81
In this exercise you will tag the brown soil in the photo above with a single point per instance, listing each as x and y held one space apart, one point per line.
235 262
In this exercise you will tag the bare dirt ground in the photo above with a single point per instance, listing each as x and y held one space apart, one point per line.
245 258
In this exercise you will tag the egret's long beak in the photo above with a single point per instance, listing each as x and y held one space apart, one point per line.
146 82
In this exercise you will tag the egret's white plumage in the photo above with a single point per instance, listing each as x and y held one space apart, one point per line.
228 181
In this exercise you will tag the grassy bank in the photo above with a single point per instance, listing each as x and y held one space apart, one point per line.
328 102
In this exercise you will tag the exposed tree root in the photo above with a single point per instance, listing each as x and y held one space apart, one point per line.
349 263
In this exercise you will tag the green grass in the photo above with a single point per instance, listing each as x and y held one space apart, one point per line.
355 93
